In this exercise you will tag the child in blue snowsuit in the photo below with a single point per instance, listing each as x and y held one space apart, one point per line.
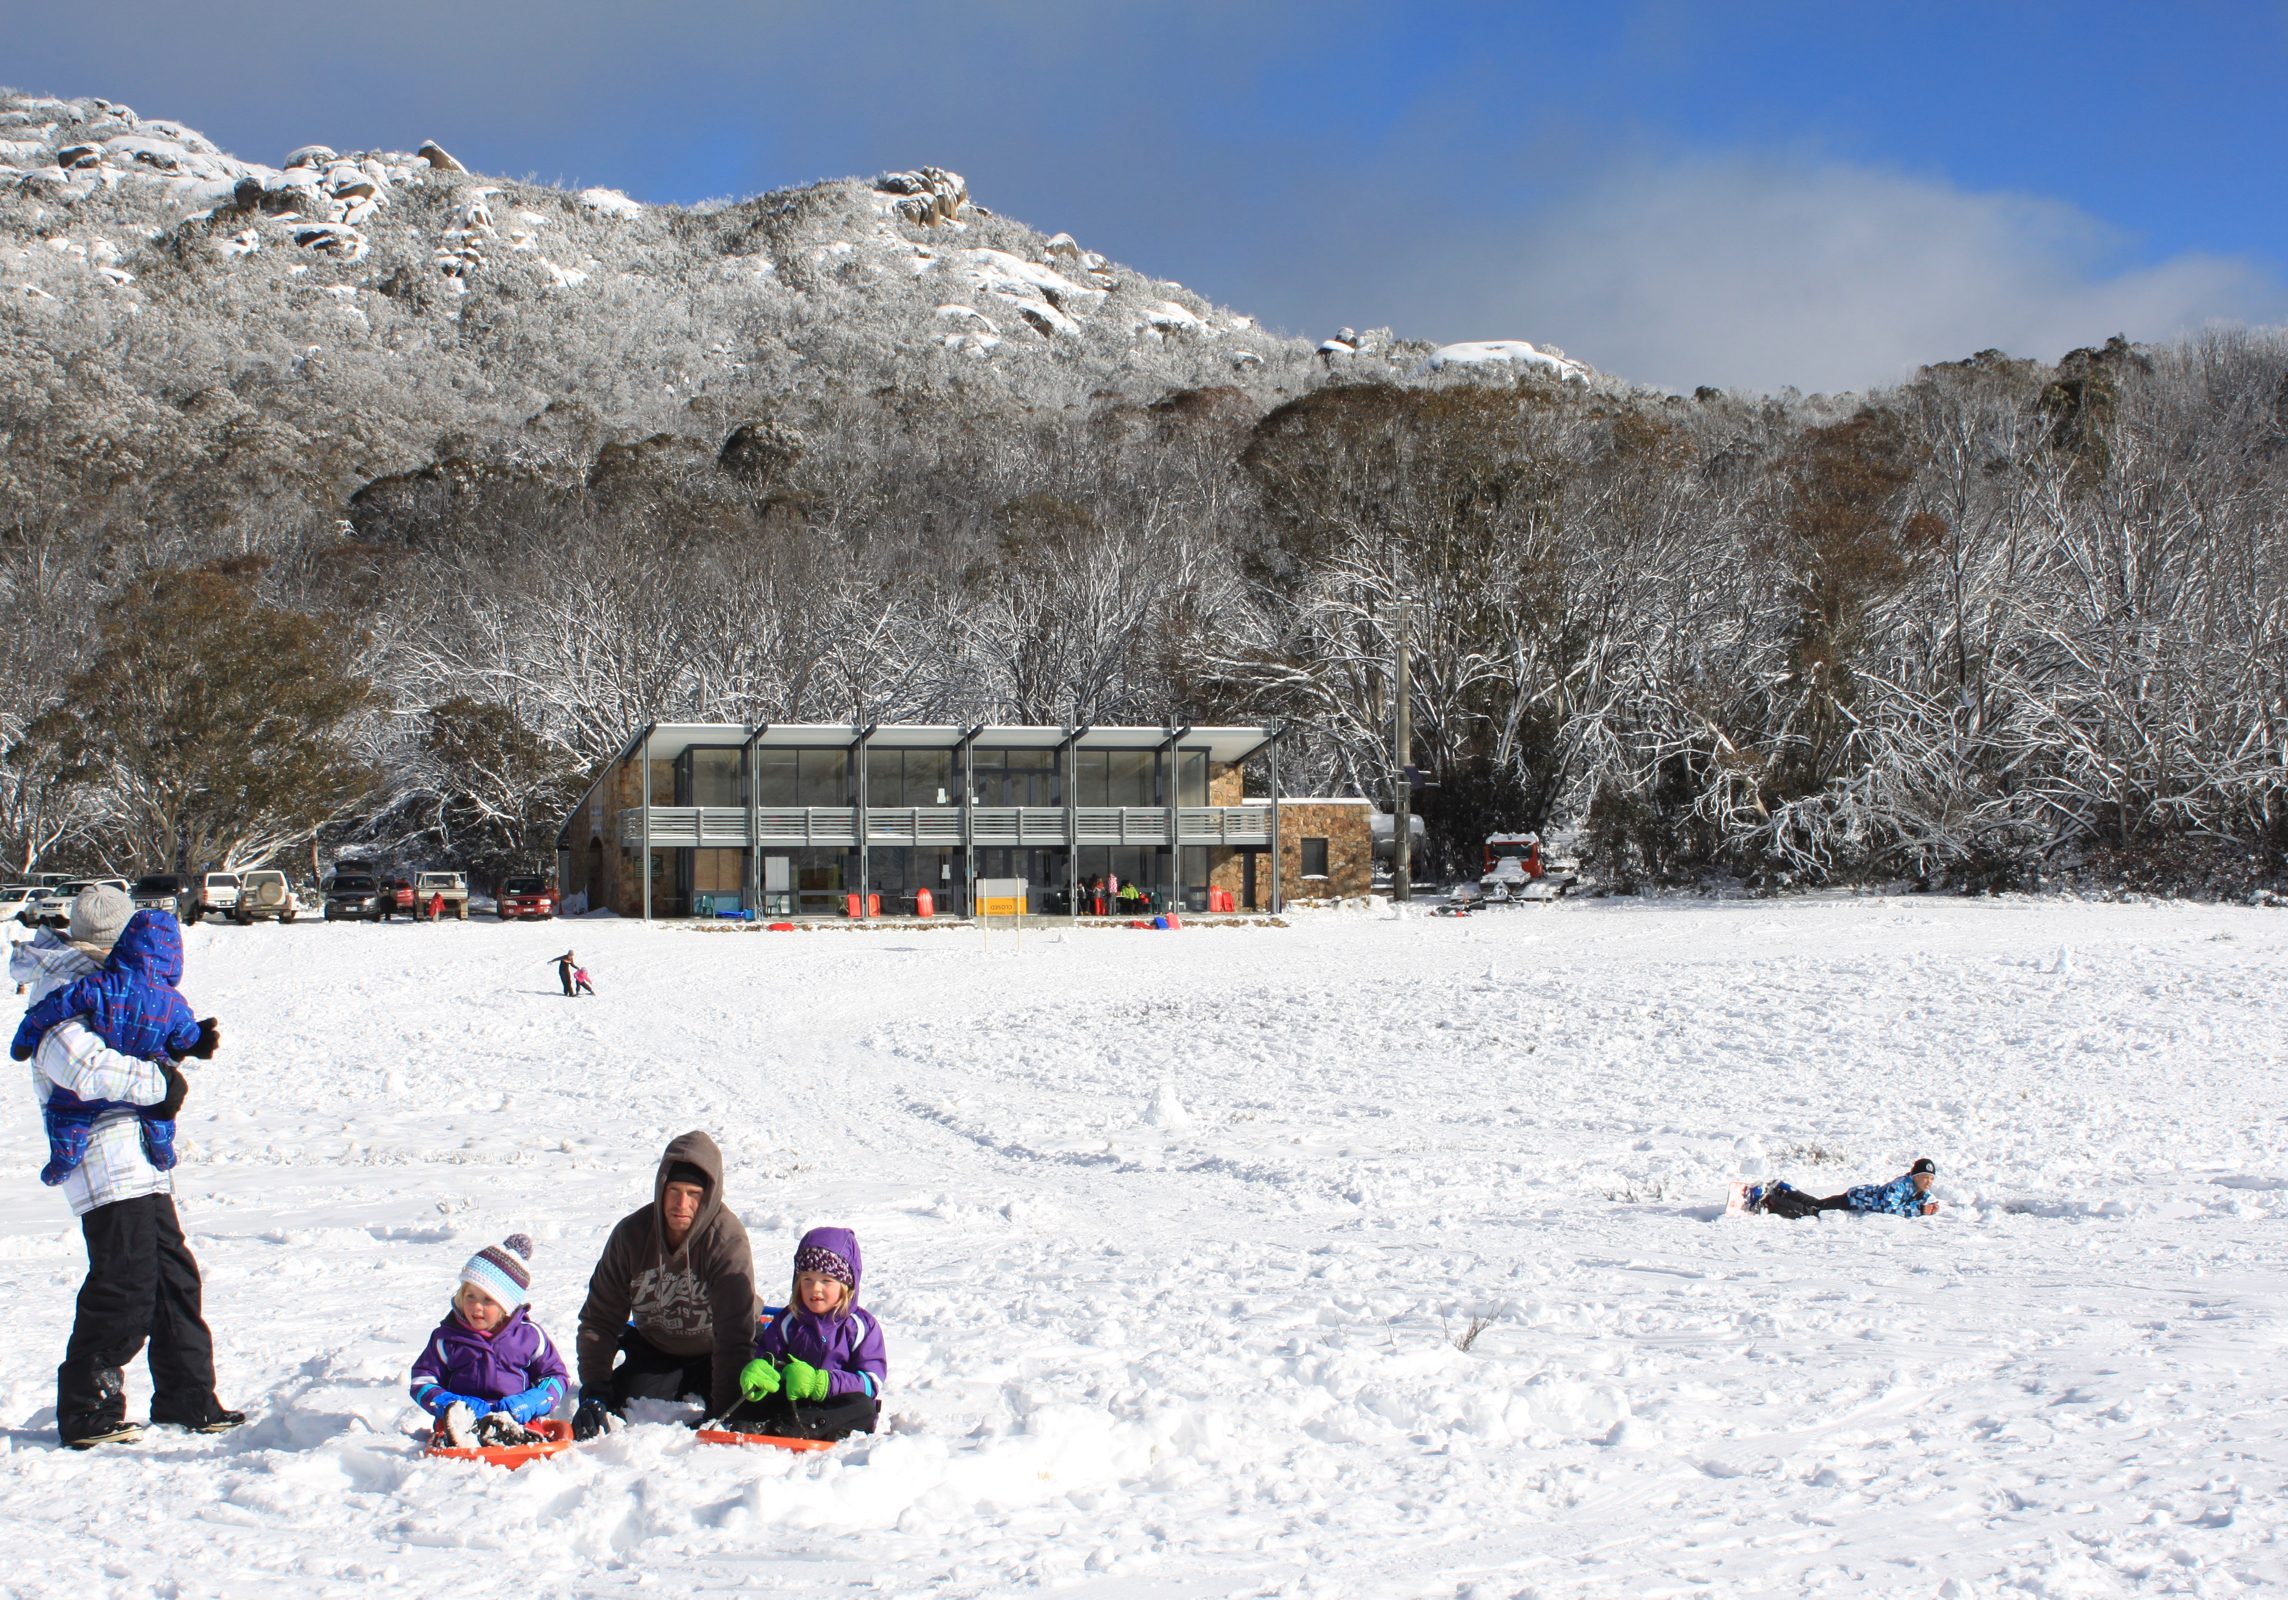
1907 1195
132 1005
488 1358
819 1364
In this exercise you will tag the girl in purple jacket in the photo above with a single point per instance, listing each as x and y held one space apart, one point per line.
818 1367
488 1369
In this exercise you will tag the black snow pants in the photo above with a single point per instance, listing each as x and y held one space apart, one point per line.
1793 1203
142 1286
786 1419
647 1372
564 976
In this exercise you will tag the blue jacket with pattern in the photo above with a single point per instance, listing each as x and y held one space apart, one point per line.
1898 1198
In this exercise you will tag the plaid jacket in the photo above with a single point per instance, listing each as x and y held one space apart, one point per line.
72 1057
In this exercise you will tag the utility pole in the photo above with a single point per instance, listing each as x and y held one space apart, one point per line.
1402 745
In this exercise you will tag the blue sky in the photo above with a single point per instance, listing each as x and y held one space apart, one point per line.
1821 196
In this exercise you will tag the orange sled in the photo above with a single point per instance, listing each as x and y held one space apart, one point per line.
774 1441
511 1456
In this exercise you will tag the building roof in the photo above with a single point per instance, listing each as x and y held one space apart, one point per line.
671 739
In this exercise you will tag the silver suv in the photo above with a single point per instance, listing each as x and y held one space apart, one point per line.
264 895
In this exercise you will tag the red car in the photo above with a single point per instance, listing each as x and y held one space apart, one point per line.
527 897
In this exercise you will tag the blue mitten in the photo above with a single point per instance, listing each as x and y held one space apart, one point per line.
534 1402
439 1401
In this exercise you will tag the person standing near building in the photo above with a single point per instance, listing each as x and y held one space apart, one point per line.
142 1284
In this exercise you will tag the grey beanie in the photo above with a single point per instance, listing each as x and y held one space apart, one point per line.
99 915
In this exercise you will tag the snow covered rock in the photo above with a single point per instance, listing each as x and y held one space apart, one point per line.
926 197
434 153
610 203
1511 353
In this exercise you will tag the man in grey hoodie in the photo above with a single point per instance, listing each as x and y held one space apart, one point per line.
672 1300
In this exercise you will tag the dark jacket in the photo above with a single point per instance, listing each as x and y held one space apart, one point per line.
686 1302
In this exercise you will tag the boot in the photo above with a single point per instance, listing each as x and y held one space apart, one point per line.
103 1419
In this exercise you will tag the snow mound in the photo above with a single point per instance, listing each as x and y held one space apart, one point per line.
1506 353
610 203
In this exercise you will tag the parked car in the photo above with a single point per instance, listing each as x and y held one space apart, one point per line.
264 895
400 892
164 891
18 899
357 897
450 887
57 912
218 895
527 897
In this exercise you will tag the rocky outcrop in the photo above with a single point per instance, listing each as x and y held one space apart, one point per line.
434 153
928 197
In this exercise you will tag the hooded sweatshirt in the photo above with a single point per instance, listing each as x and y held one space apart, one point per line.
697 1298
132 1004
847 1347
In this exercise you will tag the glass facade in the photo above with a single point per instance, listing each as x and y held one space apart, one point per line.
1116 778
1191 778
1015 778
910 778
802 778
710 776
1043 871
897 873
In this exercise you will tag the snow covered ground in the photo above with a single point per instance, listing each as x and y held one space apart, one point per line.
1175 1237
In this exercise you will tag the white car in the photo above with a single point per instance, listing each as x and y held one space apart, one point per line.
218 895
17 900
57 912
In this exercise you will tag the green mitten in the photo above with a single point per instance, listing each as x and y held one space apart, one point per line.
804 1381
758 1380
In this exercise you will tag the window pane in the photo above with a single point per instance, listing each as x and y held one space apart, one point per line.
824 777
775 782
1314 858
1129 778
1192 777
715 778
929 778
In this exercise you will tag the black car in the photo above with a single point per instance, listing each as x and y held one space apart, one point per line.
356 896
164 891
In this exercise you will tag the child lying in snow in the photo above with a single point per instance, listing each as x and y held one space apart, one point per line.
818 1367
132 1005
1905 1196
488 1369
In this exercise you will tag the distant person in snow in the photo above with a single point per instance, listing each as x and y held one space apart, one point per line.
671 1305
1907 1195
819 1367
142 1281
436 906
488 1370
580 983
566 967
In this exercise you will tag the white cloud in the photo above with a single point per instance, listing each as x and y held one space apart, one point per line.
1762 274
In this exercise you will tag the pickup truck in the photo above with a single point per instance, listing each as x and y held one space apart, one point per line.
218 896
450 887
527 897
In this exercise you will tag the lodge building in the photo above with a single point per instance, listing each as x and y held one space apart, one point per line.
791 820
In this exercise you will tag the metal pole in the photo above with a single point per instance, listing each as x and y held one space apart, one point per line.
749 777
1071 790
647 821
1275 861
865 885
966 775
1402 743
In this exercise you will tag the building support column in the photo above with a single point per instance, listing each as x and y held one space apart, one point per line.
646 867
754 892
1275 857
858 755
1171 764
1067 780
965 774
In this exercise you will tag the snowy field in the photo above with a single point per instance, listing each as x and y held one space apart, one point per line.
1175 1237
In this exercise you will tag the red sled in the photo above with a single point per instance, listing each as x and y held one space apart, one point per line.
511 1456
772 1440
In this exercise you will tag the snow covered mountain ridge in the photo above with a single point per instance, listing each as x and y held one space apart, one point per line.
936 267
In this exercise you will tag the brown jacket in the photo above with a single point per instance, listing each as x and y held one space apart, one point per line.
684 1302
